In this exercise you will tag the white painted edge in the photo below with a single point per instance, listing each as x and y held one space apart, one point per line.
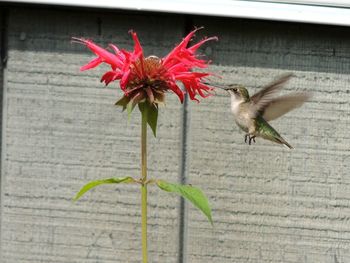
333 3
223 8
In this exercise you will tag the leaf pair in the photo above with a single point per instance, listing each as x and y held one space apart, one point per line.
149 111
192 194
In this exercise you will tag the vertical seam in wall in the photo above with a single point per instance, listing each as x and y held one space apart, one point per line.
3 38
183 180
3 61
188 26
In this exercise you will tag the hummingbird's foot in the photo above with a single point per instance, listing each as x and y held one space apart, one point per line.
251 138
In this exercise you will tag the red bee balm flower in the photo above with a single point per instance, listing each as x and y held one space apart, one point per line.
148 78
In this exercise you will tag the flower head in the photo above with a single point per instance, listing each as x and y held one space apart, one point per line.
148 78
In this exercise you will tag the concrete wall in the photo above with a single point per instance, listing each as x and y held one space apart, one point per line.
60 129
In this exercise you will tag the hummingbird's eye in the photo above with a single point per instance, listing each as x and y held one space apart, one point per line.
234 90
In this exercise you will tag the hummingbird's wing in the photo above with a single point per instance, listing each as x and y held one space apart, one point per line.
281 105
263 98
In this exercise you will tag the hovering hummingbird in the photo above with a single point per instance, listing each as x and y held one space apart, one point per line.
253 113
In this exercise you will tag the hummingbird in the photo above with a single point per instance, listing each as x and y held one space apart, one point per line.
252 114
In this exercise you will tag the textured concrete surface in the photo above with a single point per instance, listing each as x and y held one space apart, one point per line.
272 204
60 130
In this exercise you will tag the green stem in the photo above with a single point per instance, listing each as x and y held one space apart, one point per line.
143 185
144 223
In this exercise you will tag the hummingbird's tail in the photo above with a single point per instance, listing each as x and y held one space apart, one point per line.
267 132
283 141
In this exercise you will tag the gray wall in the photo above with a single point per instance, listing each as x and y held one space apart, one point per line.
60 129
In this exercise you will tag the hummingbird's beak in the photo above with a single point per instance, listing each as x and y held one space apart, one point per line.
216 85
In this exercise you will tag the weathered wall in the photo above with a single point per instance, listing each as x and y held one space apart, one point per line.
60 129
272 204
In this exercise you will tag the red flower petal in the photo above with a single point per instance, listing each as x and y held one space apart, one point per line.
190 91
93 63
124 80
110 76
137 46
182 45
115 49
104 55
196 46
190 75
176 90
144 76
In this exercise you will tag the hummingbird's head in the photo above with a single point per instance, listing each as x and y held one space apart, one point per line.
238 92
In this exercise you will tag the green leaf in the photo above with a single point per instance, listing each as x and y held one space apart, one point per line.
93 184
151 112
193 194
123 102
143 108
152 118
130 107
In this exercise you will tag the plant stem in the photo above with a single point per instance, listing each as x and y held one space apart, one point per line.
143 185
144 223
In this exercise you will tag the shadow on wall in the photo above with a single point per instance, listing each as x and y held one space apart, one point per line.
103 27
242 42
280 45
